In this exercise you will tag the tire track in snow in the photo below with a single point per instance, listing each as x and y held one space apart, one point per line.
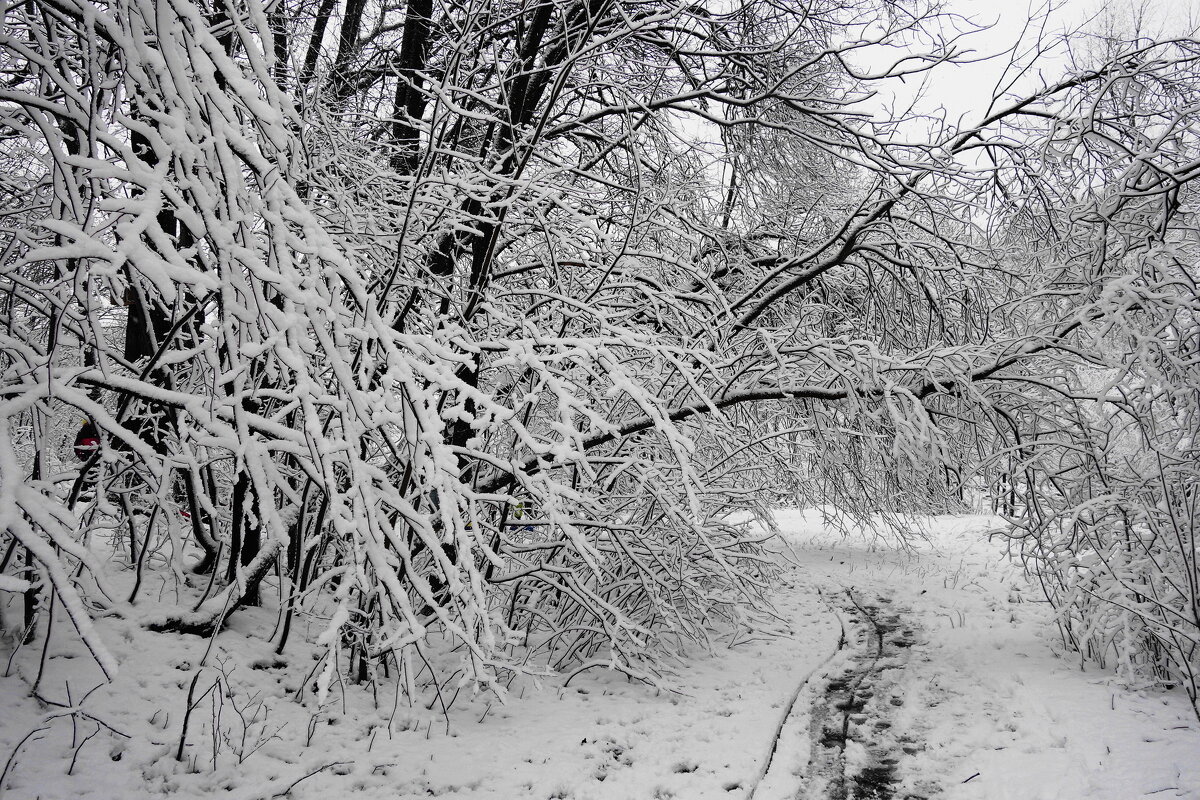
789 715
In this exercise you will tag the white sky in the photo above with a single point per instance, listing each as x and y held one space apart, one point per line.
966 90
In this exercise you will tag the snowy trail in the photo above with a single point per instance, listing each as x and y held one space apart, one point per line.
974 703
988 711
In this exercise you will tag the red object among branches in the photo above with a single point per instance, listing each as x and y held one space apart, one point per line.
87 441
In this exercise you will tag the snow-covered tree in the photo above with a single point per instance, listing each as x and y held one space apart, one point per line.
498 317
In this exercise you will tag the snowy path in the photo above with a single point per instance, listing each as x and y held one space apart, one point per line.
924 675
972 703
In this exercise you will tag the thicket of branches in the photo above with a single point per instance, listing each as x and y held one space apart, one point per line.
1097 458
498 317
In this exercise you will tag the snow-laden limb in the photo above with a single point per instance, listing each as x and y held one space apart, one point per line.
41 532
10 584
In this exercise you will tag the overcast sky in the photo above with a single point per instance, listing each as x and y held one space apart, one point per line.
967 89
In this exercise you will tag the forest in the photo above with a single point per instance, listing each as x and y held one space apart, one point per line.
507 323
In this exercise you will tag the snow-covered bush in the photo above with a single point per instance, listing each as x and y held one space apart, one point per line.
1107 509
1098 465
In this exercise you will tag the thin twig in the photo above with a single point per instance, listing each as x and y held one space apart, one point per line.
13 757
288 790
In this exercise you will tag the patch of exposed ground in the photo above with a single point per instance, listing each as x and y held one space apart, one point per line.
856 751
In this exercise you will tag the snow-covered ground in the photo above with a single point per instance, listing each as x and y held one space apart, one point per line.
920 674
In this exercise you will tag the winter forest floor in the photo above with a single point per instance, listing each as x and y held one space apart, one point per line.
922 674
